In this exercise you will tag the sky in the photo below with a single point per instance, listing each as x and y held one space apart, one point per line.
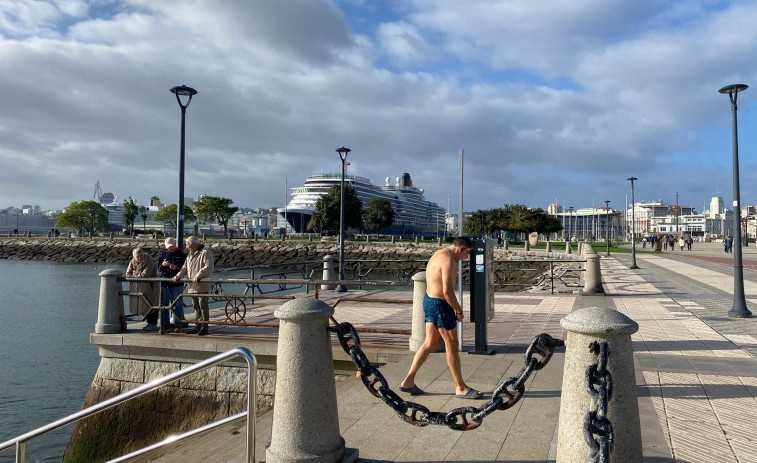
551 101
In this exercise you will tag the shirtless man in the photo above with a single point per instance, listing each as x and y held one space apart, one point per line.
442 314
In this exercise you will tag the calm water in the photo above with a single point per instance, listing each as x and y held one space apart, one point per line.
46 362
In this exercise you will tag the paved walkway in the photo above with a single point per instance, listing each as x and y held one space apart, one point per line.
696 368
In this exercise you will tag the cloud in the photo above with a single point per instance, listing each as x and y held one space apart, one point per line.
547 98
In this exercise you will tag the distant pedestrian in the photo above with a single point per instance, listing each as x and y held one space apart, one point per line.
198 266
643 243
142 266
729 244
689 240
672 243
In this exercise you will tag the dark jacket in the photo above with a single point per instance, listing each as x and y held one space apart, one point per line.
177 257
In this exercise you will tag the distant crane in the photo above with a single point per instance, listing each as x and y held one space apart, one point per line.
98 192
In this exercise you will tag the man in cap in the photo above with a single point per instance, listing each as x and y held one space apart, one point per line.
169 263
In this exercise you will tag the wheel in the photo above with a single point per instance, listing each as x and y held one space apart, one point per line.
216 291
235 310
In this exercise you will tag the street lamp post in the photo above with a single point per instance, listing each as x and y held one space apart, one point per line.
182 90
570 223
633 226
343 156
607 224
739 308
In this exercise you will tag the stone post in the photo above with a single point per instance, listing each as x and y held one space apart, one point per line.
305 424
110 311
568 249
310 238
439 241
526 245
584 327
328 271
504 245
367 238
392 239
418 331
416 241
592 275
549 246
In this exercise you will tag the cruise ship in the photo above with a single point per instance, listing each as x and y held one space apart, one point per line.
413 214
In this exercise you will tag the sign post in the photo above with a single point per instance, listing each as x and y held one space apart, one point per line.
481 292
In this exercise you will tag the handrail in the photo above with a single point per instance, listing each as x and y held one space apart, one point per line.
252 369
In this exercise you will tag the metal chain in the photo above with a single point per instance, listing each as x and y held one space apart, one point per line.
459 419
599 384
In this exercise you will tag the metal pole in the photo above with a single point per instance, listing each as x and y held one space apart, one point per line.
461 232
341 288
607 225
180 206
739 308
182 90
633 226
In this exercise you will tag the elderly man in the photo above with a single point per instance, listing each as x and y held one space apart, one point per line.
198 266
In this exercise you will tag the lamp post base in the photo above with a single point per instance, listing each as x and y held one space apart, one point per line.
340 289
633 267
739 312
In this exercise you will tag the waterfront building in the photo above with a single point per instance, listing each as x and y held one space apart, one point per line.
586 224
413 213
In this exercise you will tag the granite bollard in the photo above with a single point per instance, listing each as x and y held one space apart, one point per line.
584 327
110 310
305 424
418 330
592 275
568 249
328 271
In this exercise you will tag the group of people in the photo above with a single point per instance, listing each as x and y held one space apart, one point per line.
173 264
669 241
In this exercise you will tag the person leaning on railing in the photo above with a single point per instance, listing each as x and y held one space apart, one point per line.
169 263
142 266
198 266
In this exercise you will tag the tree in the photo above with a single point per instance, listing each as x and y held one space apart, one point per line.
326 215
84 215
216 208
143 213
167 215
379 214
130 214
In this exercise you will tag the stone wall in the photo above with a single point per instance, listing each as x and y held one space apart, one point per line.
191 402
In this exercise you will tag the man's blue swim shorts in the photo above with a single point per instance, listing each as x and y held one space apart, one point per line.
439 312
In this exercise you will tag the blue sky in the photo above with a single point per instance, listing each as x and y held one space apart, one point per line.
550 100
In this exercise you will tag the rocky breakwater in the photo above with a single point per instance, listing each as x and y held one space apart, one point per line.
238 253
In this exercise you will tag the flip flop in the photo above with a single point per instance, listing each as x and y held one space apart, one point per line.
471 394
415 390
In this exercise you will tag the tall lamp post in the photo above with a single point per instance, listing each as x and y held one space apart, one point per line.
573 231
633 226
739 308
607 224
343 156
180 91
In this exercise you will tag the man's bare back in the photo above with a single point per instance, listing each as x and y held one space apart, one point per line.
441 276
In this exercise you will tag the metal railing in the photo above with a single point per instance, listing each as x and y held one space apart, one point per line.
252 369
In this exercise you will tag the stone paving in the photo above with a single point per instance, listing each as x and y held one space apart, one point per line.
696 368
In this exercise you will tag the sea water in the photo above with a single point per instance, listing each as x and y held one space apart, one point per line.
47 311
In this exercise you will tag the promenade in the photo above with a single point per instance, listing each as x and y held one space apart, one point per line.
696 369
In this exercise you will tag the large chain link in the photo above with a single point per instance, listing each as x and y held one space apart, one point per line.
599 384
459 419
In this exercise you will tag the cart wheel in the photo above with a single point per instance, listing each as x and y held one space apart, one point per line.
217 292
235 310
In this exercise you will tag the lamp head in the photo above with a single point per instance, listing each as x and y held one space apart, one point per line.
343 152
183 90
734 88
632 179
